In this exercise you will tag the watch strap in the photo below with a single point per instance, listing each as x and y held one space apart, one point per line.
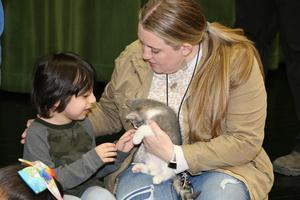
172 163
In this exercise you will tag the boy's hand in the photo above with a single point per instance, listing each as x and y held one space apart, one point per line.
125 142
107 152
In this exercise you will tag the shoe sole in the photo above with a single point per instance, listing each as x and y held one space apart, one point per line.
286 171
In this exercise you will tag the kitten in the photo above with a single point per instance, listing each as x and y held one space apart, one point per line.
140 111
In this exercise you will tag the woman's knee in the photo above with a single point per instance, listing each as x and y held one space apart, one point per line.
215 186
97 193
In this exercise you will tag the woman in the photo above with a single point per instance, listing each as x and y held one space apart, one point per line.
212 77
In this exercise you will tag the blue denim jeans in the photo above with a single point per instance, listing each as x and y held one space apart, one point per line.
212 185
93 193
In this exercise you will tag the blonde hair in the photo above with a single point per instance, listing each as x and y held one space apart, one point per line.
182 21
175 21
216 77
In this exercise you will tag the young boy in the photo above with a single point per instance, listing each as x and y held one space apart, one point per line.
62 137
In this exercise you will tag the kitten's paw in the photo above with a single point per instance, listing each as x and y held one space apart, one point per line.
137 139
136 168
157 179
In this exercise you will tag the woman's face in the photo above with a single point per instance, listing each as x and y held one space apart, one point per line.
162 58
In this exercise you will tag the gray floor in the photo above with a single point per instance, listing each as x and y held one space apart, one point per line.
281 127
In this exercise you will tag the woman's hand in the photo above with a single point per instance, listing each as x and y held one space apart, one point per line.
125 142
23 136
160 144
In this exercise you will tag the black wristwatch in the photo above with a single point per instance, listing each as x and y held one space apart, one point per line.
172 163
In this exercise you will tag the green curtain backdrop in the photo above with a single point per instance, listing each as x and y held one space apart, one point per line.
222 11
96 29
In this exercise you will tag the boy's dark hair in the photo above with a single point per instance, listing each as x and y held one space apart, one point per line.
13 187
57 78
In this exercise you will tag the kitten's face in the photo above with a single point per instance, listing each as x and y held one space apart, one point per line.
136 119
141 111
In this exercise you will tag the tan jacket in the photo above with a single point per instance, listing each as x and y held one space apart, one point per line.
237 152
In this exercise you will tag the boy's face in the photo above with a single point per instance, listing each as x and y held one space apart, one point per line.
78 107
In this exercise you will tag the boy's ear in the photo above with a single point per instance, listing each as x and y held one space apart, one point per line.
56 105
53 109
186 49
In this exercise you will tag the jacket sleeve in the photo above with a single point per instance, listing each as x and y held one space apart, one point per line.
106 117
71 175
244 134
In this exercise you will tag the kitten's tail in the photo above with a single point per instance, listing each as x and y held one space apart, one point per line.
184 193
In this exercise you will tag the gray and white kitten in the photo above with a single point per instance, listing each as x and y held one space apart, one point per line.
140 111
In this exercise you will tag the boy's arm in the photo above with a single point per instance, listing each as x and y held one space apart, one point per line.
79 171
111 167
124 145
70 175
36 146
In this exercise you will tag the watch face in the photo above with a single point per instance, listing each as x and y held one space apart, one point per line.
172 165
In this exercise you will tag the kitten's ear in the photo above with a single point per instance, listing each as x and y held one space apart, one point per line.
129 102
132 102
